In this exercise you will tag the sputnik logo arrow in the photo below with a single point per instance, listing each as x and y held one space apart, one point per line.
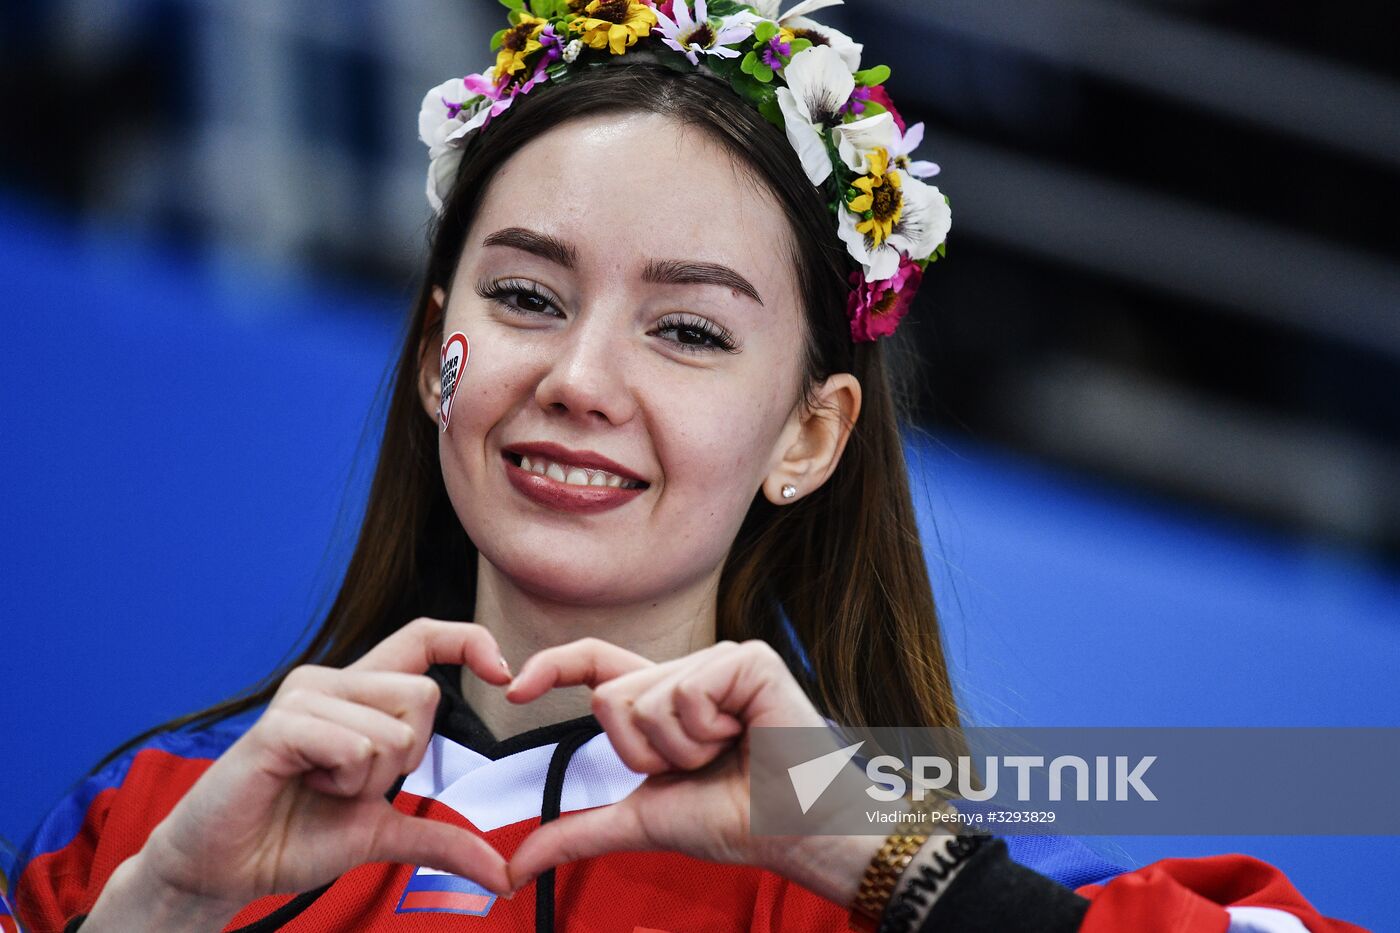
811 778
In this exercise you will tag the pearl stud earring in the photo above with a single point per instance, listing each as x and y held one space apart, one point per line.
789 490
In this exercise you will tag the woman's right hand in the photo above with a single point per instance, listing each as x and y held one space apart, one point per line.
300 798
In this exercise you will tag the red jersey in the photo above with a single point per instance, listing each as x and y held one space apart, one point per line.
503 789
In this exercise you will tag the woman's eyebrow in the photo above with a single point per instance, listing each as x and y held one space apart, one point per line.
678 272
541 244
657 271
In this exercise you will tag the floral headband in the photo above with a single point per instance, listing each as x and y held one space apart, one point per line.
802 76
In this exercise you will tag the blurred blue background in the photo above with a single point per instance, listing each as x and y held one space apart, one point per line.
177 514
1158 391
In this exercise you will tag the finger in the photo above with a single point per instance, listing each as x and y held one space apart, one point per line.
400 695
574 836
655 715
696 698
411 698
586 662
297 743
425 642
392 741
421 841
764 690
614 707
677 712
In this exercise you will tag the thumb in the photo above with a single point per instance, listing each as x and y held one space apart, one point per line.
577 835
421 841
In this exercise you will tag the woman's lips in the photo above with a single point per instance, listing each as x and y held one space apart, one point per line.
566 497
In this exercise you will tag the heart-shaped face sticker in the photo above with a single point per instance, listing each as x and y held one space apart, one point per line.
454 360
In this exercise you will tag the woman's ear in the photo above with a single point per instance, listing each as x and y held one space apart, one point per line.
430 354
813 440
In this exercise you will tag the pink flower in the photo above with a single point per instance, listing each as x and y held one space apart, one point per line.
495 89
501 90
875 308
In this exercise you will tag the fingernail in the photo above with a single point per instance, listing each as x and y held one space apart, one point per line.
504 666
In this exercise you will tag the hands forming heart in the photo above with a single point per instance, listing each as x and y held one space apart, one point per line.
300 798
682 723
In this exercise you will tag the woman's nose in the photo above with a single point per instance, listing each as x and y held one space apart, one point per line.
587 380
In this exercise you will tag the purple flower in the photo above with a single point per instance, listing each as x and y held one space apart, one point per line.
856 105
552 45
776 52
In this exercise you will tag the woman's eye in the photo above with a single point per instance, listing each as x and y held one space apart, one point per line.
529 301
517 297
695 334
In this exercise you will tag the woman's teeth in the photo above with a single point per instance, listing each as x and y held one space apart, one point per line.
576 476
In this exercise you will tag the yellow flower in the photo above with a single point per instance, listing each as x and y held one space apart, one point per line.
614 24
880 195
518 43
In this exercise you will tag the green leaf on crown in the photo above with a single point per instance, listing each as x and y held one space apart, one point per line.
513 5
755 66
496 39
765 30
755 92
870 77
721 8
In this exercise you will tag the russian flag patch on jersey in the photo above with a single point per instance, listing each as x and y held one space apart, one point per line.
430 890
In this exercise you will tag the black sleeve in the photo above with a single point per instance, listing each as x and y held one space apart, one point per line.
993 894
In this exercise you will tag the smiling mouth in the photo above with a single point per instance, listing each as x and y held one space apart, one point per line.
571 474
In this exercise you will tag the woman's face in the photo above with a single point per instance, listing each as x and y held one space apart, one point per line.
631 311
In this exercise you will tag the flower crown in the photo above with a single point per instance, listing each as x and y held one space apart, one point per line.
802 76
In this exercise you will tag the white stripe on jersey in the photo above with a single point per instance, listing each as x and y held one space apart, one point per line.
1263 920
491 794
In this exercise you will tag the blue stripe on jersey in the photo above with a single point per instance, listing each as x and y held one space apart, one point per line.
1063 859
422 882
62 824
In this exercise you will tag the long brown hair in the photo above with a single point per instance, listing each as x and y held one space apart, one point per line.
844 565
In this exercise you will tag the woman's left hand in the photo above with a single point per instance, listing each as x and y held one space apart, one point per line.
682 723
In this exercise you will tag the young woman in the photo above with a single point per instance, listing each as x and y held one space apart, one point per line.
642 436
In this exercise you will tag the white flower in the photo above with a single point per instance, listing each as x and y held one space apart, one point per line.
832 38
572 49
796 19
449 114
855 140
904 146
924 221
443 112
699 35
818 86
442 171
768 9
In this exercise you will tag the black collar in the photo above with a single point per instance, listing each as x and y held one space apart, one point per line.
460 723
